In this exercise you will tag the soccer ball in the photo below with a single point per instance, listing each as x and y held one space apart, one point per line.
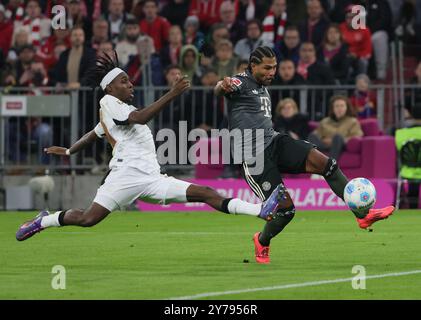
360 195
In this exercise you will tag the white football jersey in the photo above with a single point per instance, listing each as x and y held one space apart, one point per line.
134 146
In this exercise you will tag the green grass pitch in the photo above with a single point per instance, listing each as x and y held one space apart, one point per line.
133 255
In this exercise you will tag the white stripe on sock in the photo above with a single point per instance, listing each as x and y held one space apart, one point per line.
238 206
51 220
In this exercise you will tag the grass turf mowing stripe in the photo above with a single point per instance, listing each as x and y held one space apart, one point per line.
293 285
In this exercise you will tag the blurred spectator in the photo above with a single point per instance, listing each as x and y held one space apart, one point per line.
275 22
60 37
289 46
207 11
2 64
405 24
36 76
337 129
313 71
246 46
246 10
235 27
145 67
137 10
242 66
39 25
316 24
29 72
6 31
106 47
20 38
172 74
75 17
38 135
154 25
117 18
170 116
15 10
75 61
359 42
297 11
410 131
170 54
224 62
380 23
413 95
189 63
262 9
127 47
363 99
218 32
334 52
176 11
99 32
289 120
338 12
20 74
192 34
287 76
207 113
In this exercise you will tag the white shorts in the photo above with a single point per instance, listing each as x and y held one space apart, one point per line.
126 184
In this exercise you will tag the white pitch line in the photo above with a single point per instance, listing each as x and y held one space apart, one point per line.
288 286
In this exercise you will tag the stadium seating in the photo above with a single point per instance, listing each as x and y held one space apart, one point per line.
372 156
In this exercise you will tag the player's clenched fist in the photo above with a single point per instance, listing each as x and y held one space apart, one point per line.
227 85
181 85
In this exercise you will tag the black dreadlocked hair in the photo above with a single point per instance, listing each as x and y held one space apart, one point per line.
103 65
259 53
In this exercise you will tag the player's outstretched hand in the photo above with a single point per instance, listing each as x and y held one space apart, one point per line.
227 85
181 85
56 150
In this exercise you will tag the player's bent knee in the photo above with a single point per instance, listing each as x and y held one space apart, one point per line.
331 167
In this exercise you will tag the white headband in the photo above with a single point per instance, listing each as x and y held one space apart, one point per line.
109 77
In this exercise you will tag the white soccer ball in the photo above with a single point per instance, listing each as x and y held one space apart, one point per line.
360 195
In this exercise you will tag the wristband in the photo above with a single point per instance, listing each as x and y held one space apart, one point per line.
68 152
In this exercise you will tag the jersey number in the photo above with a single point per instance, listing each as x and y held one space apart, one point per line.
265 106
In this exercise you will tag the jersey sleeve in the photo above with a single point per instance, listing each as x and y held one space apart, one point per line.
99 131
118 111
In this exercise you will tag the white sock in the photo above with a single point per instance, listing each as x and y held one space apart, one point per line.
51 220
237 206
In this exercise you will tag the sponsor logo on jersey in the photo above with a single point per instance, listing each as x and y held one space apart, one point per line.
237 82
266 186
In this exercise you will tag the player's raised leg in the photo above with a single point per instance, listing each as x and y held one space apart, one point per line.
284 214
319 163
264 210
76 217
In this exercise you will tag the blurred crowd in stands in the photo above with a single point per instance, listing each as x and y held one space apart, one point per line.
316 43
317 36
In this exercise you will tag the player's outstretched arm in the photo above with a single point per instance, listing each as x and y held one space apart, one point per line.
223 87
82 143
144 115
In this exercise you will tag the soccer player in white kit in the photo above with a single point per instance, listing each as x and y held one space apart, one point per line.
134 169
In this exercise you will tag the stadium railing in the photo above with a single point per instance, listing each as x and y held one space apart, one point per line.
32 119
